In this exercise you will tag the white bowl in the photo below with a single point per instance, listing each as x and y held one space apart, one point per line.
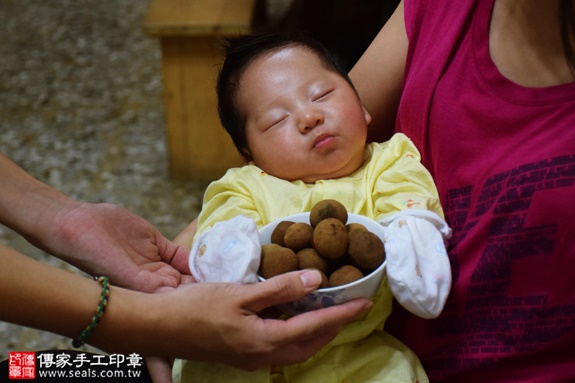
365 287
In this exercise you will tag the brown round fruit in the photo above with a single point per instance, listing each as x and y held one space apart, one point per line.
327 208
279 232
276 260
344 275
354 226
330 238
366 250
324 281
299 236
309 259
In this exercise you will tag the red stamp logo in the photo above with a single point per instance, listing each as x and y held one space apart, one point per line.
22 365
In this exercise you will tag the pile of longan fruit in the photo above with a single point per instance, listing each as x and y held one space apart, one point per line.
342 252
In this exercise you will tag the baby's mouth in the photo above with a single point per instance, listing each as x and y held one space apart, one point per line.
322 141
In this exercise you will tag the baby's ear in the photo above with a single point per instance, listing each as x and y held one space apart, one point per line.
247 156
366 115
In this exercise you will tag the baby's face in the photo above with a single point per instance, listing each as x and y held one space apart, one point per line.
302 120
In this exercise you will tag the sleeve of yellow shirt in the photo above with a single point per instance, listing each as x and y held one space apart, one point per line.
227 198
399 179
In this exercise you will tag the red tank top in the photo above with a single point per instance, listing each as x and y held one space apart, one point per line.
503 158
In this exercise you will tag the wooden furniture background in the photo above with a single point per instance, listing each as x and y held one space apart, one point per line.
190 33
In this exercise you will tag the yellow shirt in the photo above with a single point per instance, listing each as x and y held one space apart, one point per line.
391 179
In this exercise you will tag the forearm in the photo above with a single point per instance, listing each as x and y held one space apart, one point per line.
204 321
27 205
36 295
378 76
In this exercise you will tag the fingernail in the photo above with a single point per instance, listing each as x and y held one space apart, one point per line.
367 306
311 278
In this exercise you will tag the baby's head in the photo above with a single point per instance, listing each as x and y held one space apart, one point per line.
290 108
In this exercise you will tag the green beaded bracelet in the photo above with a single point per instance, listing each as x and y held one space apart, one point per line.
80 340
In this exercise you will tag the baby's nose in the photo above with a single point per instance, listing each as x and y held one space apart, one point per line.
310 119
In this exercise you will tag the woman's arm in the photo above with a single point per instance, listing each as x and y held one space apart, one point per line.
25 203
208 321
378 76
36 295
97 238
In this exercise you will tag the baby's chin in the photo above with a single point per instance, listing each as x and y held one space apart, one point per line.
335 174
306 178
332 170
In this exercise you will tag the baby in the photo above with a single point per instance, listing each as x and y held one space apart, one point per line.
296 118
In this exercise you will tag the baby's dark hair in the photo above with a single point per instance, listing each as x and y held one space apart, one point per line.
240 52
